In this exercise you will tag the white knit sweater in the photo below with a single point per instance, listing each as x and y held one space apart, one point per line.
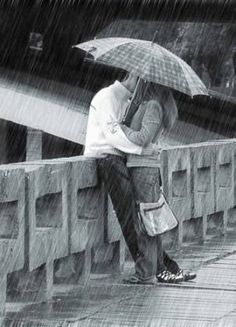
104 134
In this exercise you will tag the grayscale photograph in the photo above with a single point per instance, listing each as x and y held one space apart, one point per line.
118 163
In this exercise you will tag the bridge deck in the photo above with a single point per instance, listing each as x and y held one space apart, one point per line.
210 300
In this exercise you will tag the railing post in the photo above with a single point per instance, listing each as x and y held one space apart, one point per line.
224 181
33 144
114 237
203 163
176 176
12 212
87 204
3 141
46 237
85 213
3 295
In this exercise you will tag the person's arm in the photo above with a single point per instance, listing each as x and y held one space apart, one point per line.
107 120
151 122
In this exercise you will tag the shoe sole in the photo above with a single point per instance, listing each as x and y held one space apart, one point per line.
170 282
186 279
139 283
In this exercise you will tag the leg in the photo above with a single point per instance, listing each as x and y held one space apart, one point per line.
146 182
170 264
146 187
112 171
150 248
3 291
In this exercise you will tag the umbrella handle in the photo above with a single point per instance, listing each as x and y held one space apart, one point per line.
132 100
138 84
132 107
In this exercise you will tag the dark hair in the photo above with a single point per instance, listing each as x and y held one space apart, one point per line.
148 91
152 91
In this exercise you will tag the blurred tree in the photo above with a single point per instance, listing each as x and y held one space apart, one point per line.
208 44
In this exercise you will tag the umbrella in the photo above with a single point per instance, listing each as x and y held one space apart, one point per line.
147 60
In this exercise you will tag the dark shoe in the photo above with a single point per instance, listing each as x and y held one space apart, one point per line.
168 277
134 279
188 275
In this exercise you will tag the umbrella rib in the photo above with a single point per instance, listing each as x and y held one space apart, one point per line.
183 67
191 86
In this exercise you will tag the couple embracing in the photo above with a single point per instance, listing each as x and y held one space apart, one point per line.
128 163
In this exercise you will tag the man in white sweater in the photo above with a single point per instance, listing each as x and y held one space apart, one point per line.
107 108
108 143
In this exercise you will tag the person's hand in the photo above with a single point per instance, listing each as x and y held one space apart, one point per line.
151 149
156 149
113 127
123 127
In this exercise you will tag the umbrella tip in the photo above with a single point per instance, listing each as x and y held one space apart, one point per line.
154 37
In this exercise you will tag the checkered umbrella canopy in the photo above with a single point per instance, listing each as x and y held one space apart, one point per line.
147 60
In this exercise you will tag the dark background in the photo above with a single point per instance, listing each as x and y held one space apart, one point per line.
65 23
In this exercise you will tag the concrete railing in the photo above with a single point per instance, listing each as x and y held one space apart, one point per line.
199 181
58 225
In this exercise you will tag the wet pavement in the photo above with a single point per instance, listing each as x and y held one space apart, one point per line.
209 300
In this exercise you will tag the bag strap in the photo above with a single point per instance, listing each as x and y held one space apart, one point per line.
154 208
140 220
